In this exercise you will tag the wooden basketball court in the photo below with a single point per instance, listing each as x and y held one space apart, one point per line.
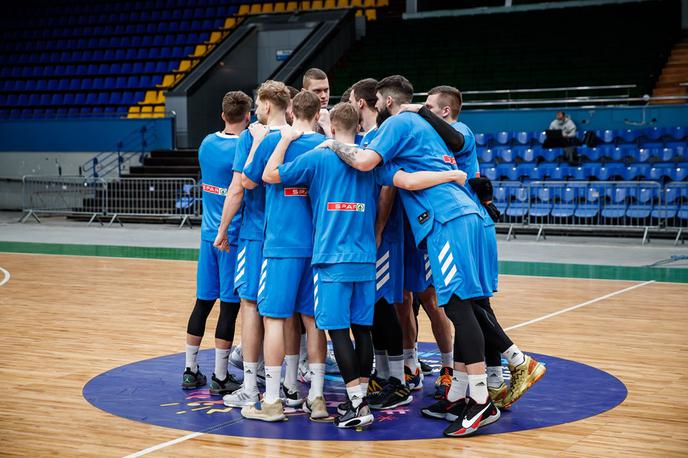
67 319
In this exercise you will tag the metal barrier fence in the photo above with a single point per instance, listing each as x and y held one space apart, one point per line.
59 195
603 204
111 198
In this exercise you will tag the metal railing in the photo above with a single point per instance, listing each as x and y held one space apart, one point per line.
111 198
614 205
62 195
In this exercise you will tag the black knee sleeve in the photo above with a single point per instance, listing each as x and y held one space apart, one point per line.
494 334
227 320
199 316
387 334
345 354
364 349
469 343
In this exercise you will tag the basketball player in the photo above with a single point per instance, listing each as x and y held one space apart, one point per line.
387 388
343 205
445 102
315 81
286 282
271 105
215 277
448 221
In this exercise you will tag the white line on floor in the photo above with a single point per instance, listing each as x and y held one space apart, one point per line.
582 304
6 276
568 309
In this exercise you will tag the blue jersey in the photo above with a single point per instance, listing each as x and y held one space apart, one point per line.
343 203
216 156
253 218
288 216
406 141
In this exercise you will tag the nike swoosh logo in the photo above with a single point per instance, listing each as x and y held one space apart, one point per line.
468 423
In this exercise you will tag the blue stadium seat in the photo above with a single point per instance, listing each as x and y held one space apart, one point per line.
482 139
629 135
635 171
504 154
503 138
489 171
551 154
677 133
580 173
659 171
605 136
560 172
525 170
591 154
638 211
508 171
653 133
485 154
678 173
523 138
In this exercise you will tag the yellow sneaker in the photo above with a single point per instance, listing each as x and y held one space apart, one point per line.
498 395
523 377
264 411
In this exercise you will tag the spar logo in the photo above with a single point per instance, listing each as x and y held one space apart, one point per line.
449 159
296 192
345 207
214 190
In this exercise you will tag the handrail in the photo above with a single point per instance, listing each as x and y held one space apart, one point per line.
576 100
538 90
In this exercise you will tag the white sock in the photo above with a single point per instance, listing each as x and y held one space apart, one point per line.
192 357
410 360
303 349
514 356
221 361
477 386
495 377
459 386
415 353
448 359
364 388
355 395
381 364
291 370
250 380
396 368
317 371
272 383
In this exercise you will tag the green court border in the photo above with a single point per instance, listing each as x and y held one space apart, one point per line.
540 269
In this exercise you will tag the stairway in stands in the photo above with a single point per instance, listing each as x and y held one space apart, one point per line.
674 73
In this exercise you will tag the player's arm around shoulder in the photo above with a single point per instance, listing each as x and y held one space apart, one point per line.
417 181
354 156
271 172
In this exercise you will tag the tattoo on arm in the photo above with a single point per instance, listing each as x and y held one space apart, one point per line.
346 153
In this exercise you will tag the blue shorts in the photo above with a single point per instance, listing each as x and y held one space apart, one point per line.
285 287
249 260
417 268
215 273
457 253
491 259
338 305
389 272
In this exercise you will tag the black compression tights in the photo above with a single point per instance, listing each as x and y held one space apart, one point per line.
387 333
469 342
225 323
496 340
353 363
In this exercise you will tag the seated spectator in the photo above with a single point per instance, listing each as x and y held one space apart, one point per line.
562 134
564 124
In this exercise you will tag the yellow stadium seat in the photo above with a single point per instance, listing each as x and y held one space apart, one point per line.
371 14
230 22
134 112
268 7
160 98
305 5
184 66
199 51
243 10
369 3
146 111
159 111
342 3
214 37
359 12
292 6
167 81
317 5
149 97
255 8
280 7
330 4
358 3
382 2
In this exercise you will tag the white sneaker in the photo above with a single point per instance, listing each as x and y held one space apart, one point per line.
236 358
291 397
241 398
304 374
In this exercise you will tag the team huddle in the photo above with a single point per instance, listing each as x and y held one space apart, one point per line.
346 222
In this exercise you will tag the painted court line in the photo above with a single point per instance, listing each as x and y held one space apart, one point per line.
544 317
6 275
582 304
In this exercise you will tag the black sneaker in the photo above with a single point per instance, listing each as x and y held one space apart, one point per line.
355 416
444 409
192 380
291 397
375 384
343 407
394 394
221 387
425 368
474 416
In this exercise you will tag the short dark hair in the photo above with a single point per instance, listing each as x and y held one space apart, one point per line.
366 89
292 91
305 105
344 117
449 97
397 87
235 105
313 74
345 95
